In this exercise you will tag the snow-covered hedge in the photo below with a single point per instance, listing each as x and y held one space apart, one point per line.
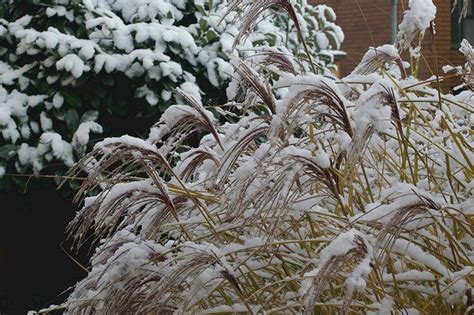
324 195
75 69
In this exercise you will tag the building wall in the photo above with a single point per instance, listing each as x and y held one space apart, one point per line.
368 23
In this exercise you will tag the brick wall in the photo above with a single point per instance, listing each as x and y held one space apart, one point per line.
368 23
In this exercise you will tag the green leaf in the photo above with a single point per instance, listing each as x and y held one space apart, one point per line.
108 81
57 180
82 80
90 115
330 14
203 24
8 151
211 36
271 39
43 87
59 113
71 99
95 102
118 107
200 8
100 92
74 185
223 55
72 120
331 36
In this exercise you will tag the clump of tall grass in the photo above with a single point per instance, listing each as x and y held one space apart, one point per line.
317 195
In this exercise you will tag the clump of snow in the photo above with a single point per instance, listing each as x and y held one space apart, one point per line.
82 135
416 20
375 57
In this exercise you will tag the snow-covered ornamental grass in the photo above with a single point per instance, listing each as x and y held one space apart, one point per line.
74 70
323 196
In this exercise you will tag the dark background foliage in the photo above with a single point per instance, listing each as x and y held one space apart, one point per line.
34 268
110 96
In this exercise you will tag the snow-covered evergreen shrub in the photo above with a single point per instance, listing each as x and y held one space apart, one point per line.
75 69
323 196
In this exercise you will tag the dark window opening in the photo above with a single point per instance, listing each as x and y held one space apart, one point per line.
465 28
